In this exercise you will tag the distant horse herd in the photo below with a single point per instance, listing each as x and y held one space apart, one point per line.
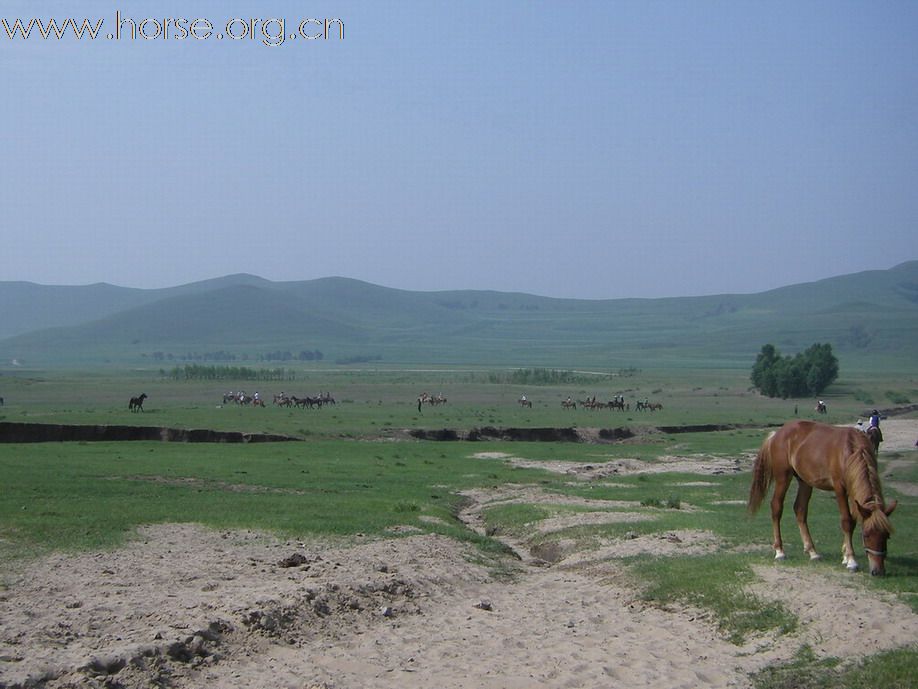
617 402
433 401
281 399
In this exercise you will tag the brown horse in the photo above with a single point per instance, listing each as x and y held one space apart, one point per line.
829 458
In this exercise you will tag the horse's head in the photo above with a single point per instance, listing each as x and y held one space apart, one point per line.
876 529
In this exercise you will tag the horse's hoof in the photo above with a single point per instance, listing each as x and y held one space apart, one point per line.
780 556
852 567
815 556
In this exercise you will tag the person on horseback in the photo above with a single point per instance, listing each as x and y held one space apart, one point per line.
874 419
873 429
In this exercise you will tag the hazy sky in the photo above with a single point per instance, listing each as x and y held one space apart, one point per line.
591 149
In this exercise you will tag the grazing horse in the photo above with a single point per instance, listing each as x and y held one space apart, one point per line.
829 458
136 403
524 402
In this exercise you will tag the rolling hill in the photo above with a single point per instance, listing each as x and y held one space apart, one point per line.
868 314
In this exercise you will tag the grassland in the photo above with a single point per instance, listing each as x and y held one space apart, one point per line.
350 477
375 401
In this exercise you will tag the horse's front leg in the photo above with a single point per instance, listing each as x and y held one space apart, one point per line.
777 509
847 527
801 509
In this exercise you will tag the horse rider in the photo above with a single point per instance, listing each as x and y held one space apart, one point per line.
874 419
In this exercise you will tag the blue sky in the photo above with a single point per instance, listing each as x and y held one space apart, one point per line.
575 149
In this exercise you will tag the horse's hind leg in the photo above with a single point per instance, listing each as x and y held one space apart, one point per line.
801 508
777 509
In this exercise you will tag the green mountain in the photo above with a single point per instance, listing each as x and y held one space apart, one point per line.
869 314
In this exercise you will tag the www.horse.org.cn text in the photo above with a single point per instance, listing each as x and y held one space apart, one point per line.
271 32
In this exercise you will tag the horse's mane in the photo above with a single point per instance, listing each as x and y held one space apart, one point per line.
878 521
862 481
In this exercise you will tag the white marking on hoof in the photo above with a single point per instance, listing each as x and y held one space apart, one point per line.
852 566
814 555
779 555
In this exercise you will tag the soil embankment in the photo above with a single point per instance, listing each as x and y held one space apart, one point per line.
48 432
566 435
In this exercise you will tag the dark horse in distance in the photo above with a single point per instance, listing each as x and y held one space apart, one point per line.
136 403
834 458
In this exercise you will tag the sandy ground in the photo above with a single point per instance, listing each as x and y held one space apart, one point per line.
182 606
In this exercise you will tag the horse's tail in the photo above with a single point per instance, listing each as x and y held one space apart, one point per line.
761 475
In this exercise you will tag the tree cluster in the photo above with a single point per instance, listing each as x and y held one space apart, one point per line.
199 372
806 374
283 355
541 376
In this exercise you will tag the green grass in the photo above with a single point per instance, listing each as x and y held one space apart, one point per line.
895 669
513 520
718 587
374 404
90 495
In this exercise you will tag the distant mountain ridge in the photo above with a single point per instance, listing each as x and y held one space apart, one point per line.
867 313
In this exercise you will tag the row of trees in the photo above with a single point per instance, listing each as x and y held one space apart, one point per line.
304 355
199 372
279 355
542 376
806 374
